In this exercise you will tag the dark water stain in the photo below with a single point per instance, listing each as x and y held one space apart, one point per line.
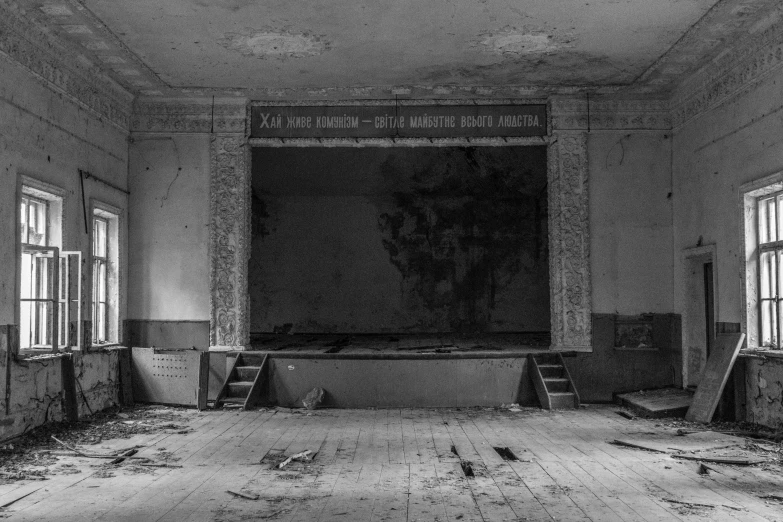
259 214
466 222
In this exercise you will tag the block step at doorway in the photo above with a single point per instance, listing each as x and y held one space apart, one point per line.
243 382
553 383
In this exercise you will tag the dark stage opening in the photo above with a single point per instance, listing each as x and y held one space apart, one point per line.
402 241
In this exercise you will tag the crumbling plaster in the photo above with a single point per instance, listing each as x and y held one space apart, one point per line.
36 393
764 391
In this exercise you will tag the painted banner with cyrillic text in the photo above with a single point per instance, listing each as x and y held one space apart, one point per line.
404 121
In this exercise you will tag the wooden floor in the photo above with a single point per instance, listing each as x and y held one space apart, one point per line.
400 465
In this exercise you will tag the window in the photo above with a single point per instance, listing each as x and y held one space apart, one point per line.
44 281
770 254
36 304
100 253
105 274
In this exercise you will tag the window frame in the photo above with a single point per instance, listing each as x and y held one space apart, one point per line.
773 270
100 335
115 245
750 291
53 196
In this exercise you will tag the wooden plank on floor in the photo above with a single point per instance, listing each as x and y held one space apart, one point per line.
344 496
441 438
409 445
457 496
395 437
661 480
425 498
588 502
424 441
393 489
516 492
60 493
175 485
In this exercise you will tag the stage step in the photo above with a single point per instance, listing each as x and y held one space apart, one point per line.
243 382
552 382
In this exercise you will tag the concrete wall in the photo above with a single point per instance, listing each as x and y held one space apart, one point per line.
737 142
47 137
630 222
714 154
169 228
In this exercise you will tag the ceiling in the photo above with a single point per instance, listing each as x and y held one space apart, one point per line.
298 48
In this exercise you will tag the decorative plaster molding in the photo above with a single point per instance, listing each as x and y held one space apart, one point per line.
569 243
26 44
731 74
229 238
195 115
607 114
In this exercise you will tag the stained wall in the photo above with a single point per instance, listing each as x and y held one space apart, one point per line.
47 136
400 239
168 303
714 154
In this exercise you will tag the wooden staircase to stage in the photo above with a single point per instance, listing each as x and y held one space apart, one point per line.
552 382
243 382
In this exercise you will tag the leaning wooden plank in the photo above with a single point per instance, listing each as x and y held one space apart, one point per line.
714 378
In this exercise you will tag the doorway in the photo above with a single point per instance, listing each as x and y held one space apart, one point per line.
699 312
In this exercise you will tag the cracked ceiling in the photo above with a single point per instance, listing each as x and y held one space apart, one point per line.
295 49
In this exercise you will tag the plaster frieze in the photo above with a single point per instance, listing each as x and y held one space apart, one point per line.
569 242
196 115
229 235
732 74
28 45
572 113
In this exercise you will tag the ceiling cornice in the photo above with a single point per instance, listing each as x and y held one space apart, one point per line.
25 43
732 73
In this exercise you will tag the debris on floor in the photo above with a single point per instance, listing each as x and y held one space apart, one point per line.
36 455
314 398
653 404
304 456
252 496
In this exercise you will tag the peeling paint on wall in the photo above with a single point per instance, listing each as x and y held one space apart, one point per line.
764 389
37 389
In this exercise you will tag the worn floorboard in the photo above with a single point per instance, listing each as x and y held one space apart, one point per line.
395 465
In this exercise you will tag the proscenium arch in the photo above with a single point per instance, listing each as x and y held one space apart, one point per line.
569 242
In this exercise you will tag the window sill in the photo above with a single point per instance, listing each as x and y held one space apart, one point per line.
761 353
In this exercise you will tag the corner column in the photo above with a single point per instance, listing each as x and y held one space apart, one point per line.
229 240
569 242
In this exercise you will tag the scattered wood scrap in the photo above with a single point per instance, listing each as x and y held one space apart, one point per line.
17 499
302 457
619 442
252 496
734 461
697 504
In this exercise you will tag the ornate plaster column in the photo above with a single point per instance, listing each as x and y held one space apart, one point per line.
229 239
569 242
